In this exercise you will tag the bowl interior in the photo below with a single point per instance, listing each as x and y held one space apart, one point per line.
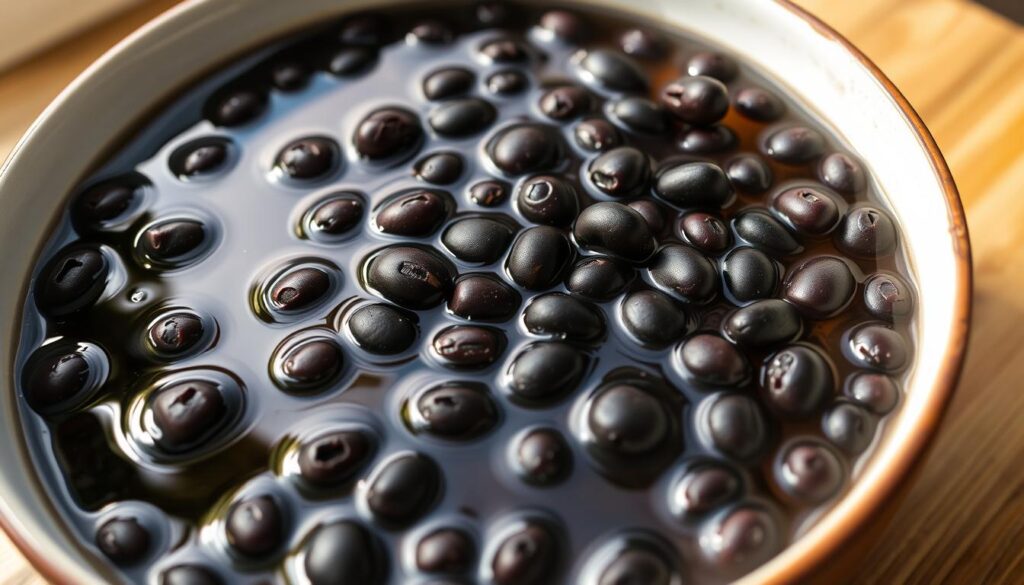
88 119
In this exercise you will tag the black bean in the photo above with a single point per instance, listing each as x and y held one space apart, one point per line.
712 360
73 280
543 457
642 43
640 115
336 215
877 392
524 148
613 71
706 232
758 104
175 334
455 410
489 193
108 201
565 25
483 297
200 157
414 278
613 228
431 32
745 538
621 172
186 414
596 135
299 289
810 472
600 279
867 232
797 380
703 488
749 274
236 107
565 317
289 76
189 575
527 556
820 287
478 239
334 458
350 61
172 241
448 82
795 146
255 526
651 212
503 50
445 550
548 200
653 318
765 232
403 488
441 168
736 426
566 102
310 364
507 82
887 296
364 30
849 427
413 212
343 552
466 346
843 173
546 371
52 378
462 117
637 565
539 257
123 540
807 210
388 133
694 184
749 174
684 273
764 322
714 65
878 347
626 420
706 140
696 99
308 158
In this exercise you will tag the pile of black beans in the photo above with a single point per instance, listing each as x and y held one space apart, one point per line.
480 294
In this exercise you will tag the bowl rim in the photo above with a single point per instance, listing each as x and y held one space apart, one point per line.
801 558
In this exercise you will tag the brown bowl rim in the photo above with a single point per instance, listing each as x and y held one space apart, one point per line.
925 427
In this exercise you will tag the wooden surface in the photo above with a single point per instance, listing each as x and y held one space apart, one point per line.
963 69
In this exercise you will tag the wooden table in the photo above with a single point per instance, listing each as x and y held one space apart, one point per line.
963 69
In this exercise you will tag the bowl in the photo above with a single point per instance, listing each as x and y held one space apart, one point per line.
832 79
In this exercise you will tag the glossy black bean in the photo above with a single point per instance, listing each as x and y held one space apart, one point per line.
483 297
613 228
539 257
548 200
797 381
478 239
694 184
382 329
653 318
565 317
598 278
462 117
749 274
546 371
684 273
73 280
331 459
414 278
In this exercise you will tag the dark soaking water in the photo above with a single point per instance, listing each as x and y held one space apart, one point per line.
465 295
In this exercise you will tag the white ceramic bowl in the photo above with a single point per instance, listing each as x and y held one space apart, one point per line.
832 79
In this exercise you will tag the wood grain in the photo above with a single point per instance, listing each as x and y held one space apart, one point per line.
962 67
